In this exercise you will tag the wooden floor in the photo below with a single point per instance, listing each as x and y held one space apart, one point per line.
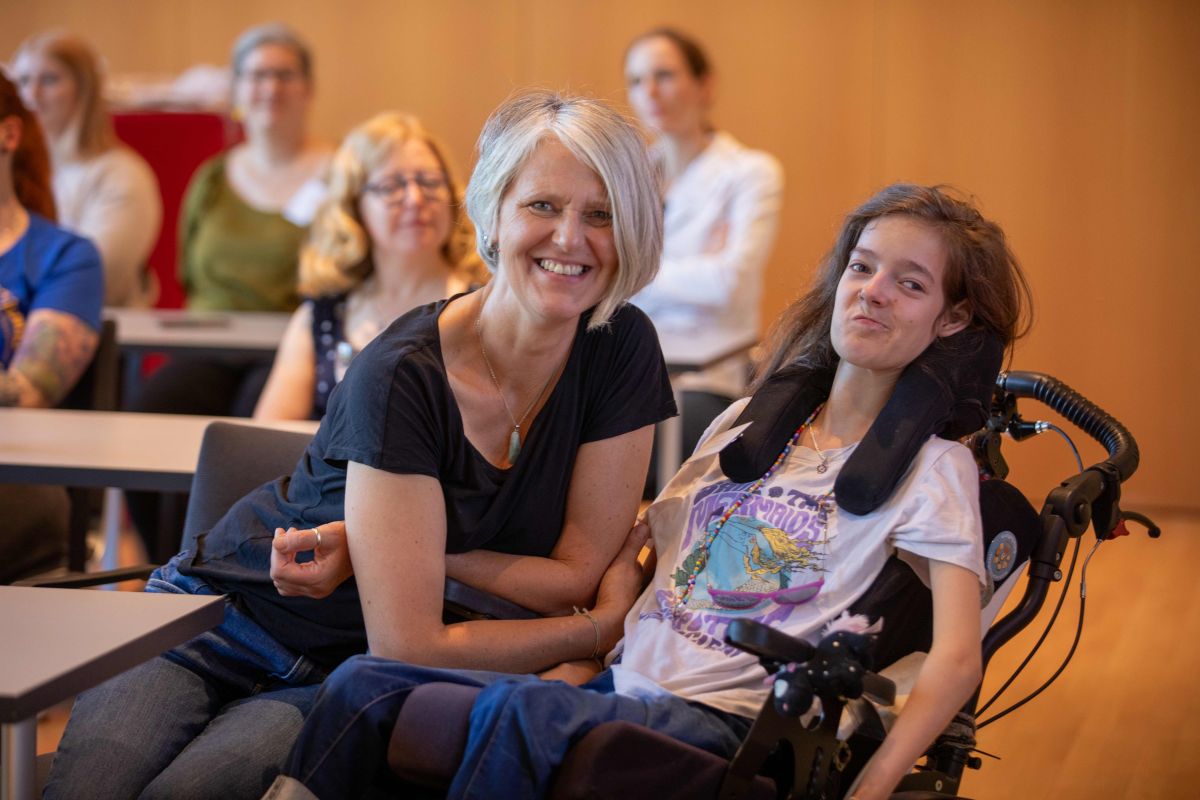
1123 721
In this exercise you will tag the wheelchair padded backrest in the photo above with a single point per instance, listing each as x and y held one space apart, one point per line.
235 459
946 391
1011 527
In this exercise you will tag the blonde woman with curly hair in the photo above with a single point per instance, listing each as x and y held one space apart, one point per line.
392 235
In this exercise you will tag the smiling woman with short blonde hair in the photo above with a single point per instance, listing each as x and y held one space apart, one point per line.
496 437
589 130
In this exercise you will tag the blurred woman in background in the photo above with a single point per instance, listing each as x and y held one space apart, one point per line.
243 221
391 236
104 190
722 210
51 283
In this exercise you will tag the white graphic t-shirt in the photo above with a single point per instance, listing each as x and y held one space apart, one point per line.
788 557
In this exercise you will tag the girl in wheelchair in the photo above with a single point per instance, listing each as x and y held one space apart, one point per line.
911 269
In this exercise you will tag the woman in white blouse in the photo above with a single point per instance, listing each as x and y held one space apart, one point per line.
104 191
722 210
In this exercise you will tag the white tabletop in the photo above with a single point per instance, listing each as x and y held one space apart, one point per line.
107 448
173 329
701 349
58 642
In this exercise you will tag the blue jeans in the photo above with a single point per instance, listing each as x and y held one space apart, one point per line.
215 717
521 727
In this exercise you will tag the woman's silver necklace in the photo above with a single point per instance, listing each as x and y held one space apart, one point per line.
824 465
514 438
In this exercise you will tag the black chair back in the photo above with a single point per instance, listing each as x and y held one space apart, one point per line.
234 459
96 389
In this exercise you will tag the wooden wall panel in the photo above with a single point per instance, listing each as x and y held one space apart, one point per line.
1073 122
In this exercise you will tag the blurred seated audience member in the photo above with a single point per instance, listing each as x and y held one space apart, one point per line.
104 190
722 210
391 236
51 283
243 221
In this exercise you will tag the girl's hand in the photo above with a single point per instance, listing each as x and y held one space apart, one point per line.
619 588
328 569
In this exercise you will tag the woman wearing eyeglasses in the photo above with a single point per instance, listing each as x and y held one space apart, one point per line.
243 222
391 236
246 211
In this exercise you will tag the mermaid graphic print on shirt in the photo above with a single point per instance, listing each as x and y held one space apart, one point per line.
766 559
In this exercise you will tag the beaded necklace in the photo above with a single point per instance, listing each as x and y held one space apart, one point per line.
682 598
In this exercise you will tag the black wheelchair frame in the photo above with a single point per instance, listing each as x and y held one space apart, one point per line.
1090 498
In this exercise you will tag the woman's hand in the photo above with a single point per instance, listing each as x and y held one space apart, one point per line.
329 567
619 588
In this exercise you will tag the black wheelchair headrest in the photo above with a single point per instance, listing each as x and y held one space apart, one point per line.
947 391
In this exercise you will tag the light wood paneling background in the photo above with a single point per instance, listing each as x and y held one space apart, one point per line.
1075 123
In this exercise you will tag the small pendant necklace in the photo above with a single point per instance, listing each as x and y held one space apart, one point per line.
514 438
824 465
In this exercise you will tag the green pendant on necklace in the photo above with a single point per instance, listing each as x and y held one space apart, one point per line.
514 445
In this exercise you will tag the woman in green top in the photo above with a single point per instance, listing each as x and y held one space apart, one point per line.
243 221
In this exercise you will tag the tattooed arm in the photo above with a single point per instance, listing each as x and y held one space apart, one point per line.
55 350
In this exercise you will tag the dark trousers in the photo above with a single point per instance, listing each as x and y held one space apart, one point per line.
33 535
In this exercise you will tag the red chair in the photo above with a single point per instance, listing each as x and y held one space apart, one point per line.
174 143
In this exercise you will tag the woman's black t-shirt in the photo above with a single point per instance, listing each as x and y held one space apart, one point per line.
395 411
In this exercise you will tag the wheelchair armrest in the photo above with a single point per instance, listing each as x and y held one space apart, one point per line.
775 648
880 689
471 603
80 580
770 645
